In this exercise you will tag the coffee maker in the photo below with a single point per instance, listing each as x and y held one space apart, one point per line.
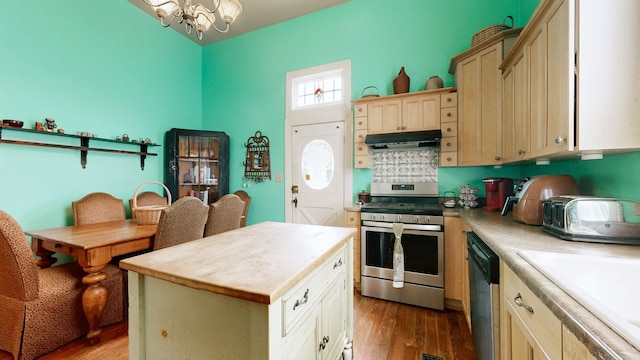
497 190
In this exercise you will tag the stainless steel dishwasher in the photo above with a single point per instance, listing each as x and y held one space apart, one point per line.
484 278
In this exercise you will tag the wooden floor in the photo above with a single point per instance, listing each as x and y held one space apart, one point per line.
383 330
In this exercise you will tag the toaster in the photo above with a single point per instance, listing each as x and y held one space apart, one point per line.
592 219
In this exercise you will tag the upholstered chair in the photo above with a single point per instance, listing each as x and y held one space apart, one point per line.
181 222
97 207
147 198
247 200
224 215
41 310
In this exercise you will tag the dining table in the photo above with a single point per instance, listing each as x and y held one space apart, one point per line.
92 246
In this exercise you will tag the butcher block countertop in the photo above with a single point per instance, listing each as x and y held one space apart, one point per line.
507 238
257 263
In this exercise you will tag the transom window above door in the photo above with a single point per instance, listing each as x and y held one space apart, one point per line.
317 89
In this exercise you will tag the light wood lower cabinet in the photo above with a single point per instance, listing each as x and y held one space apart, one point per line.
353 221
528 329
572 348
456 266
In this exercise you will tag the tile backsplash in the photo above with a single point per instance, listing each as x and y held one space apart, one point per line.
404 165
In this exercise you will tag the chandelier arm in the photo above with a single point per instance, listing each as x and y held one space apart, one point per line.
221 30
200 6
156 5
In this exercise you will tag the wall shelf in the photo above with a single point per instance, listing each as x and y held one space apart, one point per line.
84 146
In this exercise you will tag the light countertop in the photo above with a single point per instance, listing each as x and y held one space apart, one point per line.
506 237
258 263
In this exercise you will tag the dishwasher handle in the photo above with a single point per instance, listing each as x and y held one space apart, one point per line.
486 260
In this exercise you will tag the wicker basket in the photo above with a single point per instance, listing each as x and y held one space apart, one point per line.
490 31
150 214
370 94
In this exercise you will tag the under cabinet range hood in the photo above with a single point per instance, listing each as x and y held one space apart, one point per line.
404 140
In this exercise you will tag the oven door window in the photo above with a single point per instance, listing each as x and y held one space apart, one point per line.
420 250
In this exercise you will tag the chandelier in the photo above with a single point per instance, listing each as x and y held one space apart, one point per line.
198 16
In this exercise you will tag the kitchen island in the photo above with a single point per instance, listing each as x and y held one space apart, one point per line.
266 291
508 238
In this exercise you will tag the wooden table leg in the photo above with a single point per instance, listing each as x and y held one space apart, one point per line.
46 258
94 299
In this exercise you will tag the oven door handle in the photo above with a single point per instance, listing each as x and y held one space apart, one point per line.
389 225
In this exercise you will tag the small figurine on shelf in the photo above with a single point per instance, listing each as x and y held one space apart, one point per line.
50 125
39 126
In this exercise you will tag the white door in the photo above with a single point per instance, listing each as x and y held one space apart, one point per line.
317 174
317 155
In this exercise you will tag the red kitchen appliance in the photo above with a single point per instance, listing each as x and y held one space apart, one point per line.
497 190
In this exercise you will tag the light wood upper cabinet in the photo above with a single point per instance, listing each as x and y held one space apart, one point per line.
579 96
385 116
515 122
415 113
421 113
479 83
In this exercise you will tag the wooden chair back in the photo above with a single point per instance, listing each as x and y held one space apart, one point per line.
224 215
97 207
19 278
181 222
247 200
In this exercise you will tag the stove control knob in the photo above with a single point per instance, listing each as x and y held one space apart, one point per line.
399 218
416 219
427 219
373 217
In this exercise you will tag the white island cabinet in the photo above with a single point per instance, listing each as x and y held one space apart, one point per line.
266 291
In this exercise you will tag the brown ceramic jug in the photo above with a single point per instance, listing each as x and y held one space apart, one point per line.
401 83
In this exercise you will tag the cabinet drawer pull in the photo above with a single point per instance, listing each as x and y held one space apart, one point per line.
337 264
518 301
448 129
304 300
448 114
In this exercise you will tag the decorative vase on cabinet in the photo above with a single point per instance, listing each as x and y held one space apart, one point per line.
197 164
401 82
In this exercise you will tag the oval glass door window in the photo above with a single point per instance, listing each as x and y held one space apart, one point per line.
317 164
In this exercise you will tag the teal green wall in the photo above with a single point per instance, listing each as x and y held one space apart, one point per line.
244 77
110 69
103 67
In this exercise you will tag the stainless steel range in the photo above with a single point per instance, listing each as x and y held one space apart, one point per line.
415 205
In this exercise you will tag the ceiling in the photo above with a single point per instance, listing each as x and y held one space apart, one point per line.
255 14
